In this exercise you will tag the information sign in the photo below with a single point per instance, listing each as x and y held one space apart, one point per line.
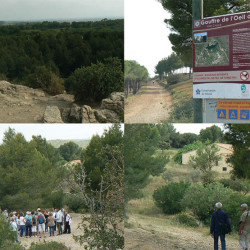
221 57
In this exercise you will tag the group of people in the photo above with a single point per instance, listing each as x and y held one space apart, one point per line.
220 226
37 223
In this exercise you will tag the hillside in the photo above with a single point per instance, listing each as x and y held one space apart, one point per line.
182 95
80 143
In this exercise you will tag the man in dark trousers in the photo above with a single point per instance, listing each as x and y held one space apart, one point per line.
219 221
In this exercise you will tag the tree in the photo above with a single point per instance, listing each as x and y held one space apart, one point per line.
239 136
181 21
140 144
211 134
97 81
70 151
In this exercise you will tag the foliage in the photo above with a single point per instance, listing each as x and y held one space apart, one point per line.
186 148
168 197
70 151
52 245
239 136
74 203
235 184
206 157
140 145
187 219
92 157
181 21
168 65
23 169
59 47
211 134
173 78
6 235
97 81
103 229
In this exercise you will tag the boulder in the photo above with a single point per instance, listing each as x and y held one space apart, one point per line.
115 103
107 116
88 115
52 115
65 114
75 115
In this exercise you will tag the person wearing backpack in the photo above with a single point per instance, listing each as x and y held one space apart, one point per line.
41 223
28 224
244 232
220 226
34 224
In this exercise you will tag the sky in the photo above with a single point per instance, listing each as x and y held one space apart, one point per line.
146 34
22 10
194 127
56 131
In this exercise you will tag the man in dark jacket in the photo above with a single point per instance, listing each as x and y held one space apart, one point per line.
219 218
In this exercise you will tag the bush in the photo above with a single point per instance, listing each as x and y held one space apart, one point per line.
47 80
236 185
168 197
74 203
173 78
97 81
187 219
48 246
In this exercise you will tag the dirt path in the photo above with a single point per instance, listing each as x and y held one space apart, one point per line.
152 105
67 239
151 234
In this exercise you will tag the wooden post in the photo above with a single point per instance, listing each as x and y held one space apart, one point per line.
198 103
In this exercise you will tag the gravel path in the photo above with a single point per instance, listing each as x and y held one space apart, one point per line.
152 105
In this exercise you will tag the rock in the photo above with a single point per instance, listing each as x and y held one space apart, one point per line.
115 103
107 116
52 115
65 114
88 115
64 98
75 115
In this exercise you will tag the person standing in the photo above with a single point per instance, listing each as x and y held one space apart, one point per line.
67 221
244 232
22 225
41 223
13 225
34 224
51 223
218 223
59 221
28 224
5 213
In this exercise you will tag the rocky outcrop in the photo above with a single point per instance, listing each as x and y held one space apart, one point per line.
52 115
88 115
115 103
107 116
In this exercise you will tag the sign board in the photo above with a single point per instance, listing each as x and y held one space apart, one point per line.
226 111
221 57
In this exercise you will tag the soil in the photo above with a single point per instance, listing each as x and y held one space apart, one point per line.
150 235
66 239
151 105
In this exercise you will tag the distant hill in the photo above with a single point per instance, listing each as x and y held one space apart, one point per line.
79 142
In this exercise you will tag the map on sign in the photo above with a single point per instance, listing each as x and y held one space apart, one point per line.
213 52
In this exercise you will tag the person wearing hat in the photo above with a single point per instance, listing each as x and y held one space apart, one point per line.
219 222
244 232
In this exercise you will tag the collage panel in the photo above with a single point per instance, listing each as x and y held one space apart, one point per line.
61 186
181 180
61 61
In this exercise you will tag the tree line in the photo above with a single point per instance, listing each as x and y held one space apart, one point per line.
35 51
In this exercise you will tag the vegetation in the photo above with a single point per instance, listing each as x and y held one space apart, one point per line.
43 55
135 74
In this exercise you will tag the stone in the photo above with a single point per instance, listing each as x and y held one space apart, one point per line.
65 114
107 116
115 103
52 115
88 115
75 115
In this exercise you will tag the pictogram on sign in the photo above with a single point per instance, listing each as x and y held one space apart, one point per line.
233 114
222 113
244 75
244 114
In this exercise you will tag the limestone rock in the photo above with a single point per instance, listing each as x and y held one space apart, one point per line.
88 115
52 115
107 116
75 115
115 103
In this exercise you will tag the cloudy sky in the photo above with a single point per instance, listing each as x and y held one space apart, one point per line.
56 131
22 10
146 34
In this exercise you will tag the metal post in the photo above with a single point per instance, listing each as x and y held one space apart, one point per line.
199 104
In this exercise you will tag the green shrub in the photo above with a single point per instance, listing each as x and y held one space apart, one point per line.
97 81
168 197
74 203
47 80
236 185
173 78
48 246
187 219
